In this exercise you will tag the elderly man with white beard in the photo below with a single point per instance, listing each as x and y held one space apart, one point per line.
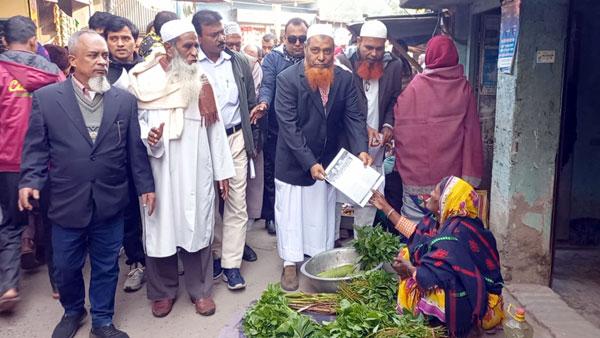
188 151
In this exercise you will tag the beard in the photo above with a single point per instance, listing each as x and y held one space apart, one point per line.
179 71
318 77
99 84
369 70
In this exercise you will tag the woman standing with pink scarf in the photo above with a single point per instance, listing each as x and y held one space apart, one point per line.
436 130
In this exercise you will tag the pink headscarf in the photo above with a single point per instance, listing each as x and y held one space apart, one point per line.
441 52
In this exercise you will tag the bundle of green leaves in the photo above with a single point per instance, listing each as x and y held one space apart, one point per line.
378 289
354 320
272 317
374 245
369 309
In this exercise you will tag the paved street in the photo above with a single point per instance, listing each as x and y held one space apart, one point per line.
38 313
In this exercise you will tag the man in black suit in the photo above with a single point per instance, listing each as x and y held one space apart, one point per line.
316 101
83 134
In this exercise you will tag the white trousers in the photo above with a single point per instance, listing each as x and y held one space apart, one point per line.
305 219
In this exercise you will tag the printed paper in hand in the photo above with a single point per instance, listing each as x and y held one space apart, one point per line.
348 174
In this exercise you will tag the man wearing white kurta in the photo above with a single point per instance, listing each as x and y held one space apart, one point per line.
188 151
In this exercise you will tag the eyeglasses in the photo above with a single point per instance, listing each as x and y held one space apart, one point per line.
292 39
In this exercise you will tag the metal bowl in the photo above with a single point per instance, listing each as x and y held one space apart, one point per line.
330 260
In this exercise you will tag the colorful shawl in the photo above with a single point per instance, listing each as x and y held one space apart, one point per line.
460 257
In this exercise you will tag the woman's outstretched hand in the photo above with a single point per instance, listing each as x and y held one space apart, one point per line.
378 200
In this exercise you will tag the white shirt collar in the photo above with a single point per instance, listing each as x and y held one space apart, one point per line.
222 57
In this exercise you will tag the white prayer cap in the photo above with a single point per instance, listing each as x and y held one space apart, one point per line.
320 29
232 28
175 28
374 29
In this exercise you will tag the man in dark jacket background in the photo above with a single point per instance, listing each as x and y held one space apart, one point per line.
377 76
279 59
236 97
121 35
21 72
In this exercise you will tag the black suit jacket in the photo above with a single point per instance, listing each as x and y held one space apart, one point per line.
309 134
87 181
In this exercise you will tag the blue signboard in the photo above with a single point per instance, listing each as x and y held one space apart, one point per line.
509 34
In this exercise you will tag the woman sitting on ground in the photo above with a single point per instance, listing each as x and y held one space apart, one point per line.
450 269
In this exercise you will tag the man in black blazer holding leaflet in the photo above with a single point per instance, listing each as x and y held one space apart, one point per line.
316 101
82 136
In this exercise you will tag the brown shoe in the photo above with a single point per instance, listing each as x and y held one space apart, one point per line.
161 308
289 278
28 251
205 306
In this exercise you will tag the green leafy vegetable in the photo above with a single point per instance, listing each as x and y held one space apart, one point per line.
272 315
374 245
378 289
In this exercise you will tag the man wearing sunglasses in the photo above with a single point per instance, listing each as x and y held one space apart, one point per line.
282 56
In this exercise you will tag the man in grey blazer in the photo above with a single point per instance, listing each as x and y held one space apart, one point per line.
83 135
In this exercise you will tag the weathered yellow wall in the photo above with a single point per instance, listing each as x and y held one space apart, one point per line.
14 7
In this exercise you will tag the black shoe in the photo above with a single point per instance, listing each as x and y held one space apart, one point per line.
270 225
217 269
249 254
108 331
68 325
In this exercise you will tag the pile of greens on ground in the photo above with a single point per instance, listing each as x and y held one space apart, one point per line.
272 317
365 307
374 245
368 309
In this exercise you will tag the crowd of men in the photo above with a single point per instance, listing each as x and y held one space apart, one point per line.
172 147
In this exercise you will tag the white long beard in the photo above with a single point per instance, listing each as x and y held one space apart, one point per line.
99 84
179 71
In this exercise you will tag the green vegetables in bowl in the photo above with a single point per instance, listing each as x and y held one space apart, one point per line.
345 270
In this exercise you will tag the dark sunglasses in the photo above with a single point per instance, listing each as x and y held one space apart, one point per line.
292 39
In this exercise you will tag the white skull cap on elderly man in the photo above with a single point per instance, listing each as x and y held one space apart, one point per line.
175 28
374 29
232 28
320 29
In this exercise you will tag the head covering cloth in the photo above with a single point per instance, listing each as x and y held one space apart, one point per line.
441 52
320 29
232 28
373 29
176 28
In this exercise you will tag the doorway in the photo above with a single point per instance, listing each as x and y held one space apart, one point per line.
576 230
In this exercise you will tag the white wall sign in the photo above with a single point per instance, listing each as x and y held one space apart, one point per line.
545 56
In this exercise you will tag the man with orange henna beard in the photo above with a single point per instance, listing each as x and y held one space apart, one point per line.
315 103
378 82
